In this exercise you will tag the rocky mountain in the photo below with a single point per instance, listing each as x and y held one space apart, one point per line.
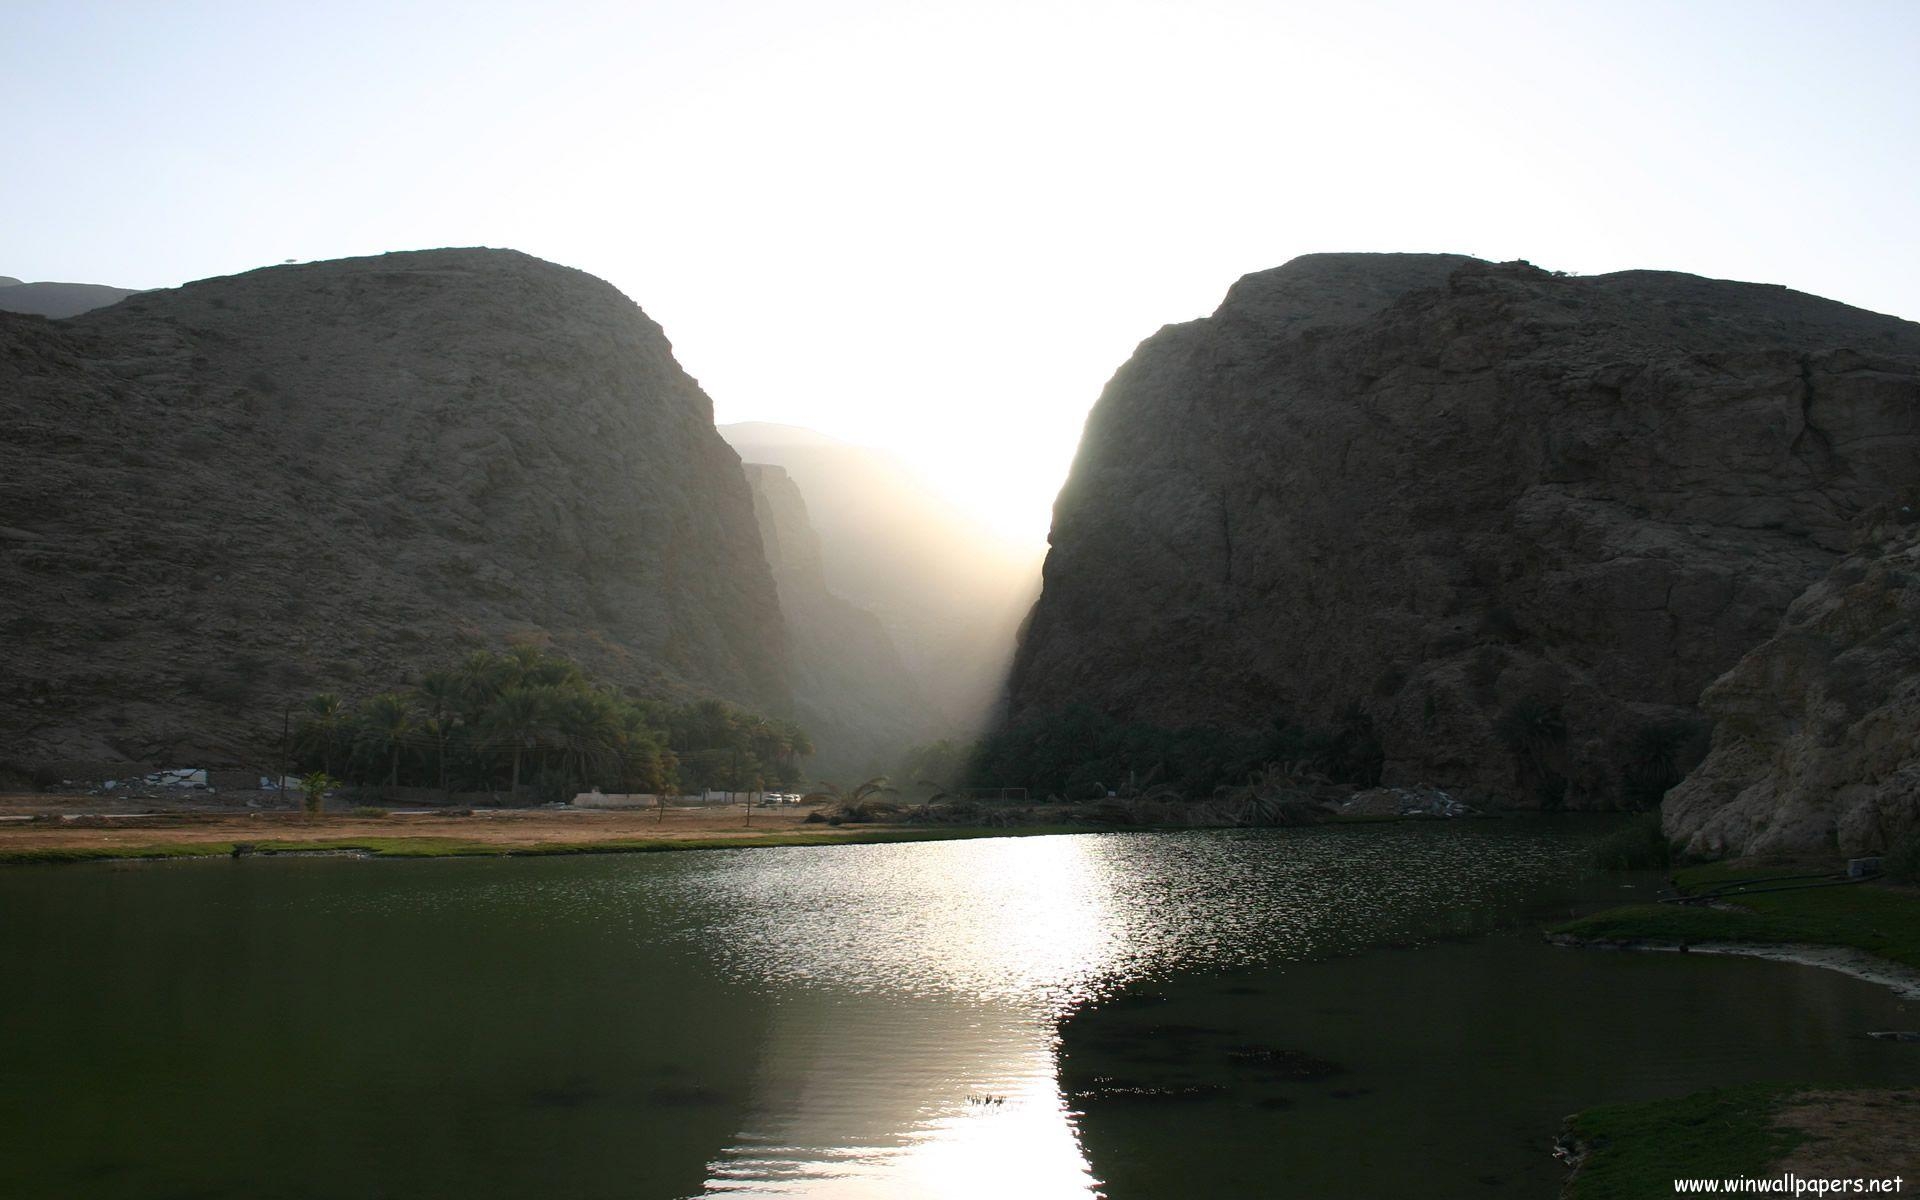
57 299
852 692
1513 522
218 499
949 594
1816 736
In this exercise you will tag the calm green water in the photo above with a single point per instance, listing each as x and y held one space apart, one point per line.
865 1021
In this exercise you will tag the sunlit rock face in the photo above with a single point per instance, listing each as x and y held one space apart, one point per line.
1816 739
1520 520
852 693
225 497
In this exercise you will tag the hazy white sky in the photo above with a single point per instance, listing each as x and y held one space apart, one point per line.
940 227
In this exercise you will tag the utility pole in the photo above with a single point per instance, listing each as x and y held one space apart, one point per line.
286 726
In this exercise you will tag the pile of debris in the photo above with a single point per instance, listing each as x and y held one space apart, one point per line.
1422 801
179 777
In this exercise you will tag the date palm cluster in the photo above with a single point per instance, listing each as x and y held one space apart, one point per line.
527 716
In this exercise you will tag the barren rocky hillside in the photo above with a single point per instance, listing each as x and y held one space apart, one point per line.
218 499
1515 521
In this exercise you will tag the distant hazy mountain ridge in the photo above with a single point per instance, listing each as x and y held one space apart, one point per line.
224 497
1513 522
57 299
949 595
852 692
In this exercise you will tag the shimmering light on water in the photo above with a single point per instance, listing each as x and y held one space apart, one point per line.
1042 924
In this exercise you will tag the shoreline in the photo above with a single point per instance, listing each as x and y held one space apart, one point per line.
1903 980
418 846
31 834
1866 931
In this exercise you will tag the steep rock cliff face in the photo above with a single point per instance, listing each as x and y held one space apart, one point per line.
218 499
852 693
1520 520
1816 737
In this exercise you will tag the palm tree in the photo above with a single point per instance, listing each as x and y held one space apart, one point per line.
482 677
638 742
939 793
441 730
440 694
860 803
530 666
517 718
385 720
524 660
320 727
589 727
1281 794
1534 729
799 745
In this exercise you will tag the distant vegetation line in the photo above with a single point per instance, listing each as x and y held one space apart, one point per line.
536 723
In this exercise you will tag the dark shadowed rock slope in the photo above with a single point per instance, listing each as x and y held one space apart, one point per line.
221 498
852 692
1520 520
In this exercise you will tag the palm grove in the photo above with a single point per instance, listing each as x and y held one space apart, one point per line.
536 723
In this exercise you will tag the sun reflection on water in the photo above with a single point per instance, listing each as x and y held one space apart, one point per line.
956 974
913 1048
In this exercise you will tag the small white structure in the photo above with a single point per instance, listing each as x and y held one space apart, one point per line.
599 799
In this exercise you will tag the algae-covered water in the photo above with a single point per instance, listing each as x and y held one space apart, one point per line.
1202 1013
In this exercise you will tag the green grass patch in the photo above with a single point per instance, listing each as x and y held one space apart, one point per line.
77 854
1876 918
1638 1150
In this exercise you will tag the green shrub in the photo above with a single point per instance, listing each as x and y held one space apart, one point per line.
1902 861
1657 759
314 790
1640 845
1535 730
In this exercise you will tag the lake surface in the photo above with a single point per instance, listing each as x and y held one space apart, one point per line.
1355 1011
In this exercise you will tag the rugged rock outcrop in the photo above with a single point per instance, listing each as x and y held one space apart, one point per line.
1816 736
1519 520
852 693
218 499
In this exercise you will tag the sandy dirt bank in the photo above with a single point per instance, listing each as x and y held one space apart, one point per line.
39 823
